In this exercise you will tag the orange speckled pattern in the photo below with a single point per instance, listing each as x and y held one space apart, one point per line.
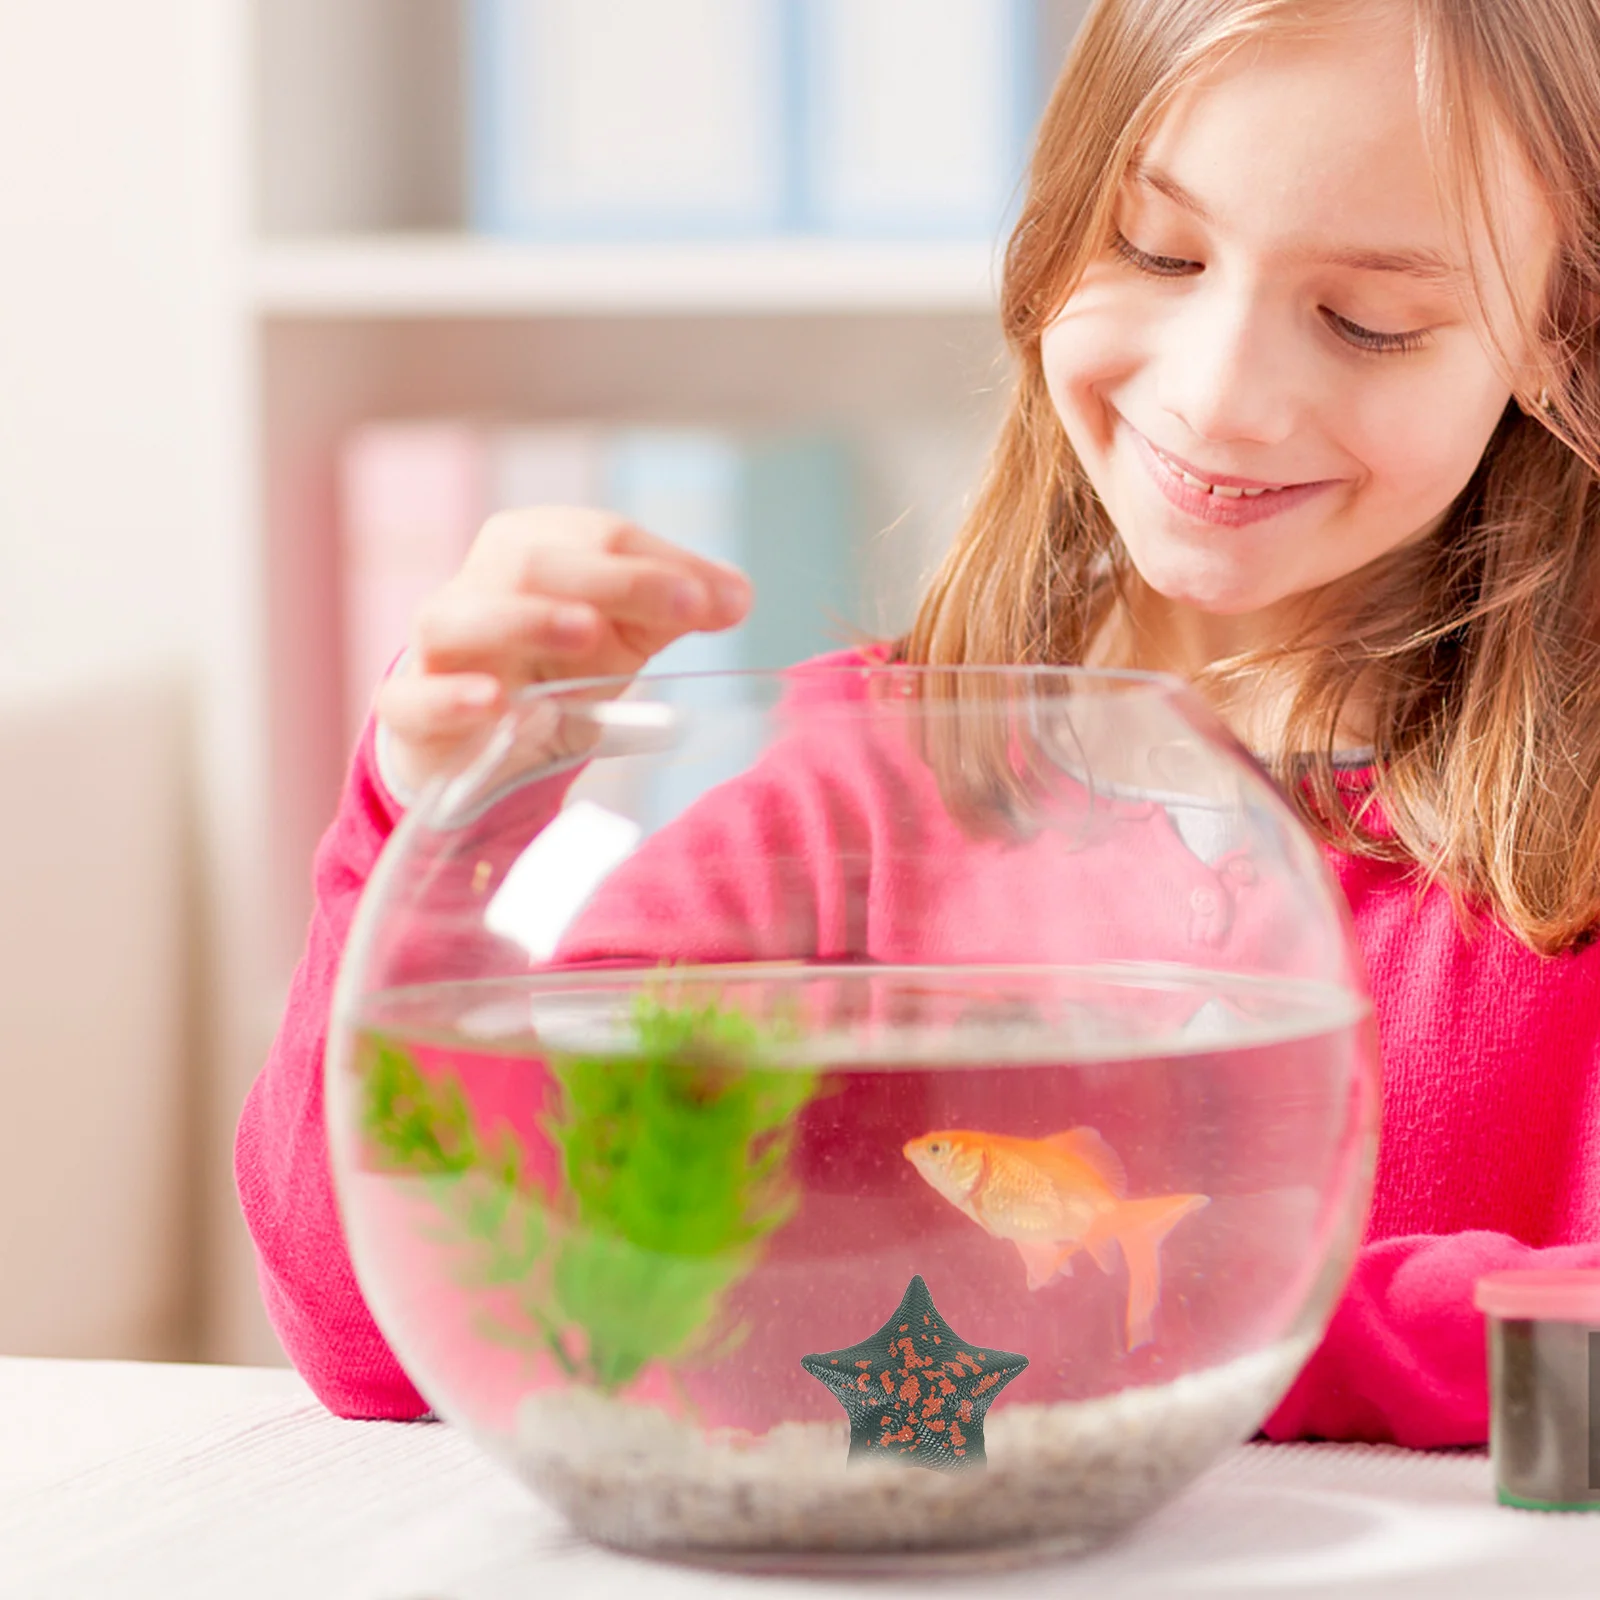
920 1364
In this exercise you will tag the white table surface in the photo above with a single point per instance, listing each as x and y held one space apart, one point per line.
122 1481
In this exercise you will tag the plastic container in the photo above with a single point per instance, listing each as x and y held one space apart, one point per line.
1544 1387
861 1115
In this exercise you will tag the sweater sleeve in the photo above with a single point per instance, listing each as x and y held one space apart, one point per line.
1405 1356
281 1151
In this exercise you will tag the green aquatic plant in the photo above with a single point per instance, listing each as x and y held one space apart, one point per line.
420 1126
674 1158
673 1155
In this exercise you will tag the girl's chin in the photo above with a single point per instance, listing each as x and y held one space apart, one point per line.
1216 593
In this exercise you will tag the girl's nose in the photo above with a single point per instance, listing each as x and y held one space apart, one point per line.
1226 376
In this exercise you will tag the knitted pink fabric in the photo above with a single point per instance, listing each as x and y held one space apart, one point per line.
1491 1100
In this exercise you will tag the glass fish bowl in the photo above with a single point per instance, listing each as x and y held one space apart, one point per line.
857 1116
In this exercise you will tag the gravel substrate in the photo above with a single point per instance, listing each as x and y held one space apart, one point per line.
1061 1478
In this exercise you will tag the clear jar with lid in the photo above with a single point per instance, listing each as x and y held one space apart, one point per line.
1544 1387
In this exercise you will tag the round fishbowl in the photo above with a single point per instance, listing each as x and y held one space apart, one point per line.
861 1115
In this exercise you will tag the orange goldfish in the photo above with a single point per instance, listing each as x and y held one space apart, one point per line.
1053 1197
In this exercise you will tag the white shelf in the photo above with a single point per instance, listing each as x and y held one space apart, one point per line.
443 275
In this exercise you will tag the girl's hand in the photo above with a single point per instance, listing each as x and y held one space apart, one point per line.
548 593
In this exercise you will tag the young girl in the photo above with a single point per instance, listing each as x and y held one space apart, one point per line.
1304 300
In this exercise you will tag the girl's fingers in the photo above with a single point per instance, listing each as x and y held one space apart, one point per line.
668 595
553 593
463 630
435 712
431 718
517 533
726 583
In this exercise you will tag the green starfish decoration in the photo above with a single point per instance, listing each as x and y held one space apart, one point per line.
915 1392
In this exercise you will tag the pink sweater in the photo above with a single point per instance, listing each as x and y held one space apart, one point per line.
1490 1155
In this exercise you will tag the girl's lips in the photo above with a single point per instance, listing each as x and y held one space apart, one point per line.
1230 510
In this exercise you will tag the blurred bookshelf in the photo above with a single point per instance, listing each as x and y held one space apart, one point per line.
364 119
256 233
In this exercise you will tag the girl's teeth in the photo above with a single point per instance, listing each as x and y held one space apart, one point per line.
1214 488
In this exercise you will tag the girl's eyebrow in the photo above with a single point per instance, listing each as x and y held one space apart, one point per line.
1165 183
1432 266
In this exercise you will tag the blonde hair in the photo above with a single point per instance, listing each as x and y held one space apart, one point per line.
1478 648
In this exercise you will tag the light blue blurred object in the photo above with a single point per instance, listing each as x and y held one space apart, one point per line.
684 486
629 118
916 114
781 508
799 516
675 119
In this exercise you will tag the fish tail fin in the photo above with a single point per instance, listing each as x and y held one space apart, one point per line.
1139 1227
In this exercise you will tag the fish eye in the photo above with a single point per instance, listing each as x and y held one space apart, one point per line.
936 1148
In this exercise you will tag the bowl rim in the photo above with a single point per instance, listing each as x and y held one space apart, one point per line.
801 672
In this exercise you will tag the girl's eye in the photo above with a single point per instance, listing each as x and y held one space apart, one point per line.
1156 266
1376 343
1352 333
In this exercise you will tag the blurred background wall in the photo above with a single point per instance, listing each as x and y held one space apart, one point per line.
292 293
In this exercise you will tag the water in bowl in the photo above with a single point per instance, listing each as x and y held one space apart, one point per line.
604 1216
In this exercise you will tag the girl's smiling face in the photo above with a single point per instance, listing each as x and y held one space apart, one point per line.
1278 372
